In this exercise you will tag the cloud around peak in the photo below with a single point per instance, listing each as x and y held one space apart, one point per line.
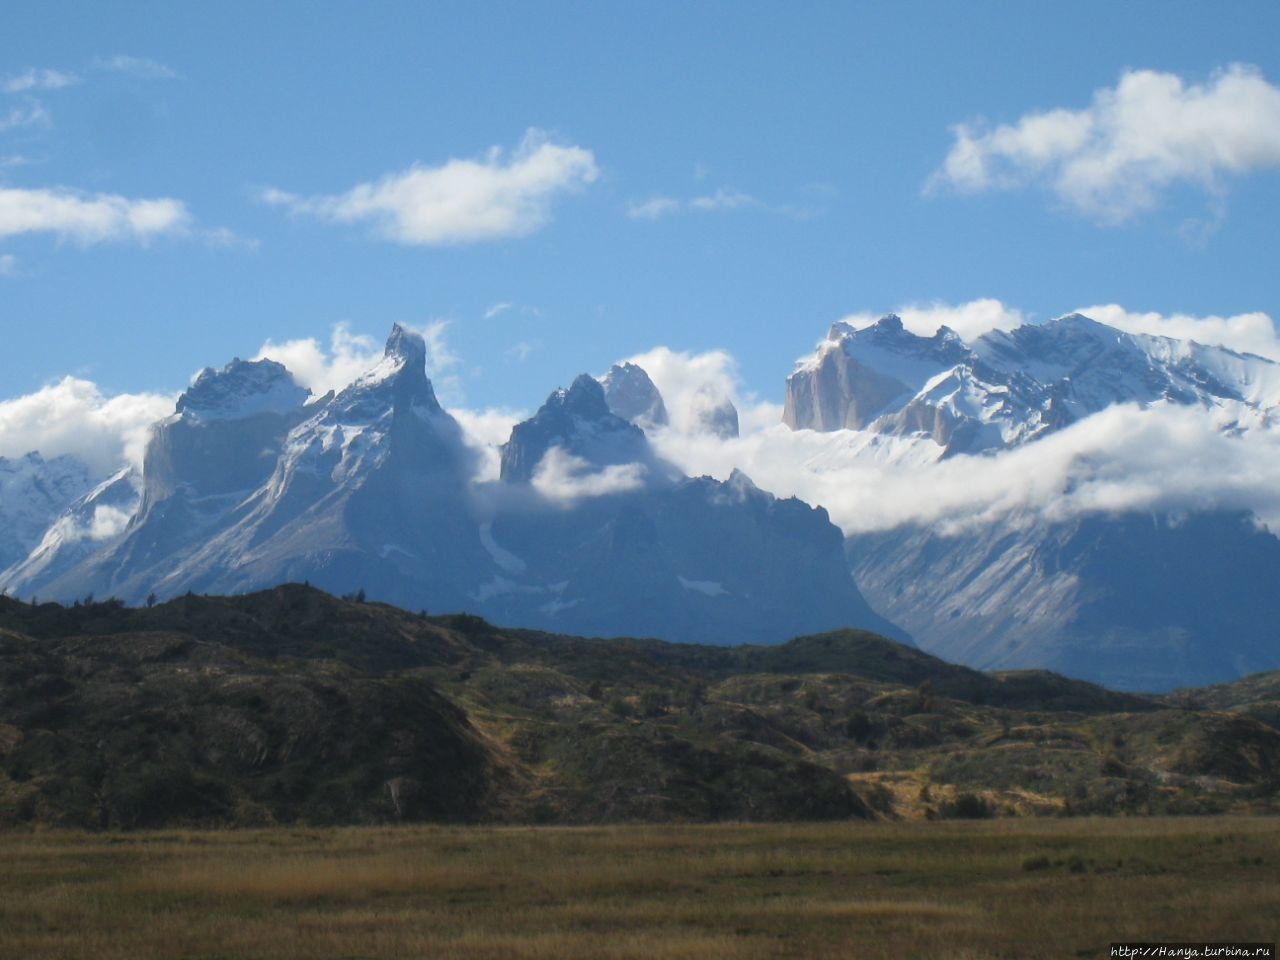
74 416
461 201
1115 158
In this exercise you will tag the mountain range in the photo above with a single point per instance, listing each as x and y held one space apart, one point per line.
595 525
372 489
1137 598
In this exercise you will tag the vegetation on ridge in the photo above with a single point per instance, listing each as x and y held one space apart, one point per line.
292 706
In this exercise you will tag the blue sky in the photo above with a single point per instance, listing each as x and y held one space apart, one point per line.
550 187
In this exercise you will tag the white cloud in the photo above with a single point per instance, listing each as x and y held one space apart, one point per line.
1115 158
1163 458
319 369
38 79
32 115
564 478
348 355
969 320
143 68
486 431
108 521
463 201
498 309
690 383
89 219
73 416
8 265
440 355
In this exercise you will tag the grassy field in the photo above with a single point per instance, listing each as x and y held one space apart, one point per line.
1005 888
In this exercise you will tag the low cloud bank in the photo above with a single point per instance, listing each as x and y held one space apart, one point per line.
74 416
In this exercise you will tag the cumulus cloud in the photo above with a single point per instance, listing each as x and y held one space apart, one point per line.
90 218
462 201
34 78
1243 332
564 478
690 383
969 320
74 416
1116 157
322 369
143 68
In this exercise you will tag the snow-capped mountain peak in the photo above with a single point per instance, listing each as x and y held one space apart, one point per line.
398 381
1008 387
242 388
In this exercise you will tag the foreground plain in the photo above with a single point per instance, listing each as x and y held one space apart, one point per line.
988 889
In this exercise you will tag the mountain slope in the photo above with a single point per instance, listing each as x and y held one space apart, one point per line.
33 491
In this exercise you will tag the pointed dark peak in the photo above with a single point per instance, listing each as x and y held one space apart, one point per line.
407 346
397 382
890 323
583 399
579 421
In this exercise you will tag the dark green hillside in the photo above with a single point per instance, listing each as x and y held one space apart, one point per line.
293 706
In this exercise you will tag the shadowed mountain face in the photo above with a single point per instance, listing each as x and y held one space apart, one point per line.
252 483
1138 602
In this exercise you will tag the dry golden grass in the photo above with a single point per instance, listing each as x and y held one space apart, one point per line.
1009 888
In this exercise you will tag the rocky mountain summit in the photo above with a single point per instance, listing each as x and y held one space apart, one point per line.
252 482
1008 388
